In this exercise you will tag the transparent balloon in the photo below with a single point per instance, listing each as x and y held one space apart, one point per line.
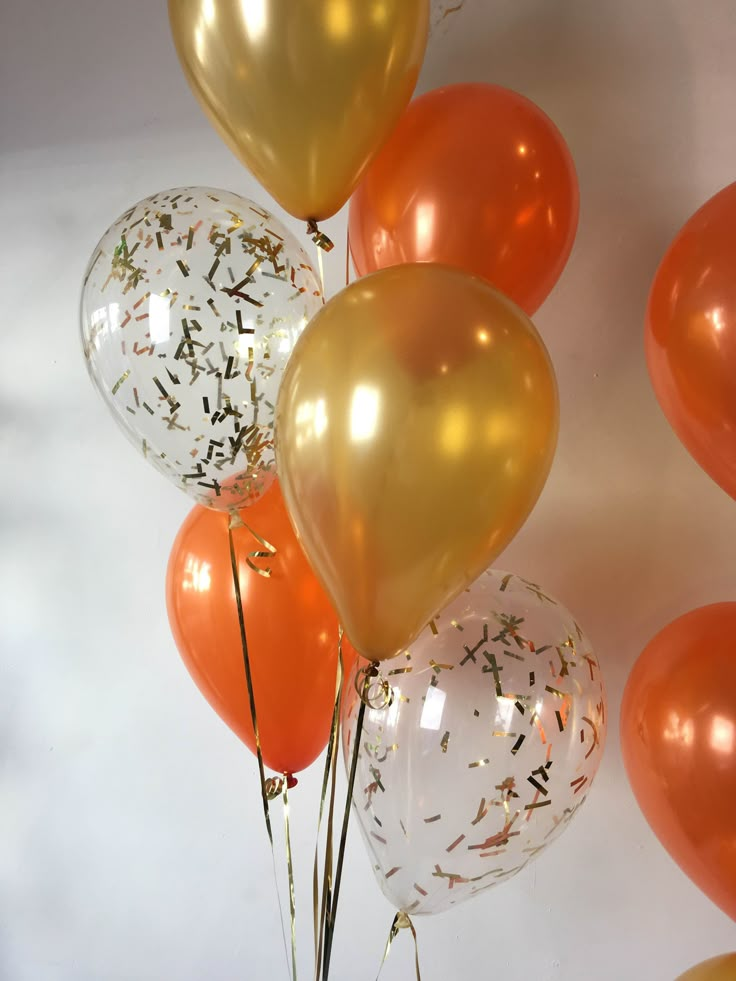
489 743
191 305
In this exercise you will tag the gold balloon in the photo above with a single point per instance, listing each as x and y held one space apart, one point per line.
303 91
717 969
415 427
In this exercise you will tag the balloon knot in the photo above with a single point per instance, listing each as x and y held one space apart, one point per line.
319 238
403 921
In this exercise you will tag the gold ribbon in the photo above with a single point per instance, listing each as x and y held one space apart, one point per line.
330 776
402 921
267 551
331 911
236 522
273 786
290 869
347 257
319 238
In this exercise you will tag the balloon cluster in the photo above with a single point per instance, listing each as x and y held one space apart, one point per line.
362 462
678 720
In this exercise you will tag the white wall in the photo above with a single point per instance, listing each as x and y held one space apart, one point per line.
131 842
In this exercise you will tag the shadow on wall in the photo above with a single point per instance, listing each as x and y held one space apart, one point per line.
615 534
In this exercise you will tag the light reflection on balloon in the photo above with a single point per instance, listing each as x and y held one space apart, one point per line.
488 747
691 336
475 176
436 428
303 92
678 736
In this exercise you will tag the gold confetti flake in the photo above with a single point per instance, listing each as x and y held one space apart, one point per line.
125 375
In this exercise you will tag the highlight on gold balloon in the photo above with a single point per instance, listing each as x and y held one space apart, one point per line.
303 93
415 427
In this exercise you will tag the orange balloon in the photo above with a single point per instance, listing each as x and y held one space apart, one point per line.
290 627
691 337
678 735
473 176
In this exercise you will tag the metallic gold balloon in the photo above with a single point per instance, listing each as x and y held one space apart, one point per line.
717 969
303 91
415 428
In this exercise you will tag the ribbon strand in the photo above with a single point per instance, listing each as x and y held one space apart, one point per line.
235 522
269 788
402 921
331 913
330 772
290 870
347 256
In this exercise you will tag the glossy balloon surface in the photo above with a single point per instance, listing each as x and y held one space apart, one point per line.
415 430
475 176
678 736
691 337
290 626
303 91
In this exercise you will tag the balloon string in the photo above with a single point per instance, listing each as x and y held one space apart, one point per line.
402 921
290 870
347 256
331 913
321 267
235 522
269 788
330 771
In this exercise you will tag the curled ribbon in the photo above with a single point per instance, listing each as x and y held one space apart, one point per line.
271 787
372 688
319 238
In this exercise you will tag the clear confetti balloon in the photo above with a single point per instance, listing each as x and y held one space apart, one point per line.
191 305
494 732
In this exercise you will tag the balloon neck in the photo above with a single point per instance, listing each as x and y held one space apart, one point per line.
319 238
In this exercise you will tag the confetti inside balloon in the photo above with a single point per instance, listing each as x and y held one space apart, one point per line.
494 732
191 305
